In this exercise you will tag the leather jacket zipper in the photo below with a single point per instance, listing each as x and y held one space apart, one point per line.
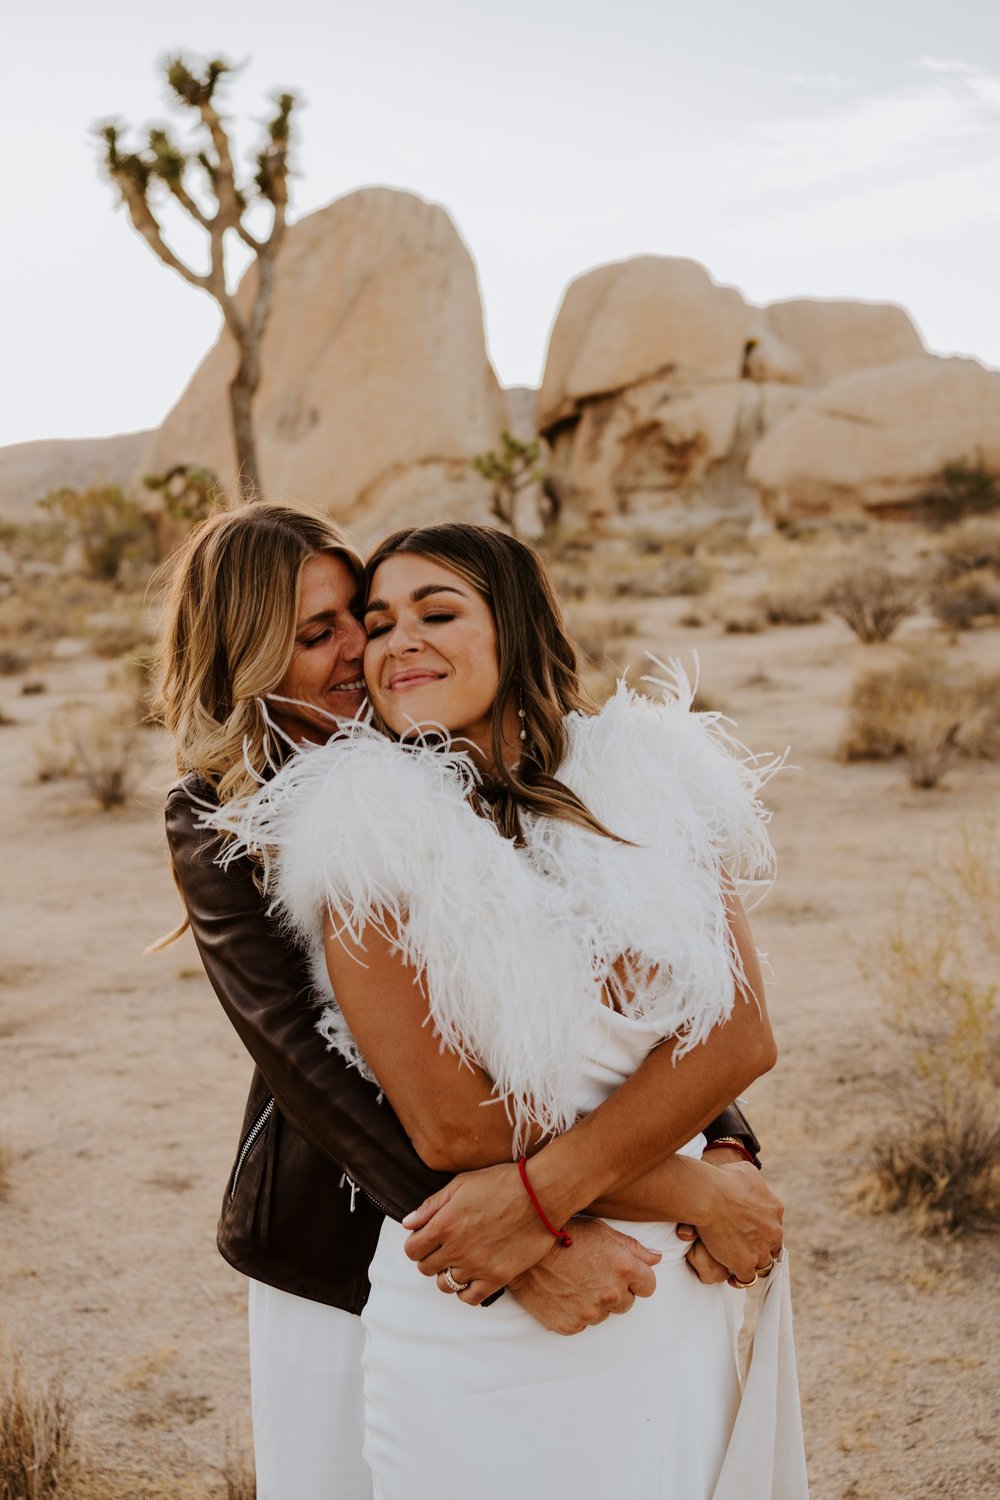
250 1140
355 1188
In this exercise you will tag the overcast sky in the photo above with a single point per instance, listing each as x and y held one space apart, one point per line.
848 150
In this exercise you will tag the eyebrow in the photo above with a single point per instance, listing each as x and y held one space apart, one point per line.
424 592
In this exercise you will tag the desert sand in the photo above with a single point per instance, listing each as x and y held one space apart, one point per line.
123 1088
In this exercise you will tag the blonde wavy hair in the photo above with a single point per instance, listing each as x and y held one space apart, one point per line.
229 632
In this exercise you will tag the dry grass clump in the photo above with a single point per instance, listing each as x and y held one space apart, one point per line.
746 619
675 577
12 659
238 1476
925 711
97 746
969 547
38 1453
935 972
790 606
961 602
874 601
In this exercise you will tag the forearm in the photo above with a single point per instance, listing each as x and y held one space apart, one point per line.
677 1190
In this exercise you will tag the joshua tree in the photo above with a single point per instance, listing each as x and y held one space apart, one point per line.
145 177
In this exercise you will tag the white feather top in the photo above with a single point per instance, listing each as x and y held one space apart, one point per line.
515 945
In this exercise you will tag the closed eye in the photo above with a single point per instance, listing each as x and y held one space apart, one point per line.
314 640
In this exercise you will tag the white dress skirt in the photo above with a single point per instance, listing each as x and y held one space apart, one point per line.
464 1402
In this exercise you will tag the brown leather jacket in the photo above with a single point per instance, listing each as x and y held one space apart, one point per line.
321 1159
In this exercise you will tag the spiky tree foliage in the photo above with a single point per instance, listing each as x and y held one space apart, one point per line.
204 184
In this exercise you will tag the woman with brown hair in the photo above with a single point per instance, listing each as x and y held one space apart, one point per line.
528 905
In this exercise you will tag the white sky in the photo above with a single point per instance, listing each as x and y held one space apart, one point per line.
795 149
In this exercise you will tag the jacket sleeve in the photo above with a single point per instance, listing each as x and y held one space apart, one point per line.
263 983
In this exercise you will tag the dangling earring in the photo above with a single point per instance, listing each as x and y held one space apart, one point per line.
522 715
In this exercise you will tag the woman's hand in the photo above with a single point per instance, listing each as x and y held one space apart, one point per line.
740 1234
602 1273
483 1227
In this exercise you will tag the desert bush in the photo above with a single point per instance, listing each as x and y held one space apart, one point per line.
190 494
118 635
963 601
944 1166
934 970
746 620
98 746
41 610
873 601
109 526
676 577
967 548
965 487
926 711
790 606
38 1453
106 754
12 659
55 757
139 668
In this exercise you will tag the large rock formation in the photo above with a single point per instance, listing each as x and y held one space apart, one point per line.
376 387
875 439
828 339
660 386
645 403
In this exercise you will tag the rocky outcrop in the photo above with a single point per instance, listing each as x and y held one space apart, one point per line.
875 440
660 387
826 339
376 386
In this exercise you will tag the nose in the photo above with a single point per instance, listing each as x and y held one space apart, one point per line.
402 639
355 640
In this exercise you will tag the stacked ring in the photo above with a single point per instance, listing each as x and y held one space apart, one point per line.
452 1284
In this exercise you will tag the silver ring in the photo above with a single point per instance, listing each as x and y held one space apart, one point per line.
452 1284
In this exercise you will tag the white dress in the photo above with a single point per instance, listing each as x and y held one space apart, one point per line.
470 1403
515 946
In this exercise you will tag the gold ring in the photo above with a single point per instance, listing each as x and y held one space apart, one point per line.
452 1284
744 1284
766 1270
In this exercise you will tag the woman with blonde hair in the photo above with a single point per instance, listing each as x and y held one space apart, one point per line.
527 904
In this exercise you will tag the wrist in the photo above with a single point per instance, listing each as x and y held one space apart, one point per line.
559 1179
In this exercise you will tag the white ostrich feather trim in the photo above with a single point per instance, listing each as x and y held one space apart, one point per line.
513 945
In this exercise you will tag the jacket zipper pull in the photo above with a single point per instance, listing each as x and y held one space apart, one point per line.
354 1190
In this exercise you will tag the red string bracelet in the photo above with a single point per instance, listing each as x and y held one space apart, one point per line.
735 1145
559 1234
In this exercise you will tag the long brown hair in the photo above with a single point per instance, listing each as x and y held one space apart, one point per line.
229 634
536 661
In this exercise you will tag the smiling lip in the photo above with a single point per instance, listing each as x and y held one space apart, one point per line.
412 679
357 685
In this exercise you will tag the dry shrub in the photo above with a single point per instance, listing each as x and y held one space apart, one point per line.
38 1452
55 757
748 620
925 711
960 602
98 746
873 601
107 755
934 972
676 577
238 1475
138 669
112 636
964 487
944 1166
13 659
967 548
790 606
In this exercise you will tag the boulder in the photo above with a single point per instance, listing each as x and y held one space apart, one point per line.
636 320
374 369
874 440
817 340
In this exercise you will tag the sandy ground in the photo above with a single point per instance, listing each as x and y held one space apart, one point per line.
123 1088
